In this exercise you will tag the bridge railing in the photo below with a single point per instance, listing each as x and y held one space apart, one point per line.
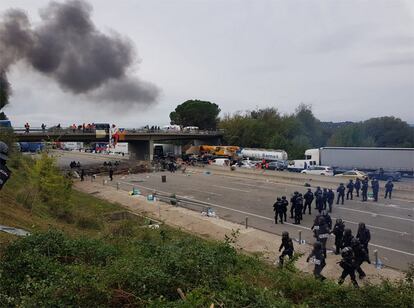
22 130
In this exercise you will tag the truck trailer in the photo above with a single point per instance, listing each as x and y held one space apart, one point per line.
259 154
362 158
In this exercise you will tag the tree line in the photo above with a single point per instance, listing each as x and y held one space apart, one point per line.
295 132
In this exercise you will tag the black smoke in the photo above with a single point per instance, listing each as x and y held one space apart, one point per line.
67 46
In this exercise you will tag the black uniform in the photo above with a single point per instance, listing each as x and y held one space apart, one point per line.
347 239
388 189
324 198
348 265
364 190
375 189
341 193
357 186
327 218
308 201
287 244
293 203
315 226
361 256
278 209
331 198
349 193
318 258
82 175
338 231
298 209
323 235
111 174
318 197
285 204
364 236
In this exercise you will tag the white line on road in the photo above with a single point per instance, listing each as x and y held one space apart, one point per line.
231 188
374 227
207 192
392 249
375 214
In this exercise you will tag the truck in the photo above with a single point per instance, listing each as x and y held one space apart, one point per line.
71 146
260 154
361 158
32 147
162 150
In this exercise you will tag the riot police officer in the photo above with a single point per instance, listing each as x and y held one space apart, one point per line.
288 250
318 258
331 198
363 235
285 204
323 234
324 198
350 191
360 255
341 193
346 240
293 203
308 196
277 208
348 265
364 190
318 197
388 189
375 189
357 186
298 209
338 231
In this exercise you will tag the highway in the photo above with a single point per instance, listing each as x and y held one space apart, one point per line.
390 221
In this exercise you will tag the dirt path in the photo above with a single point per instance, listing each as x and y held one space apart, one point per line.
249 240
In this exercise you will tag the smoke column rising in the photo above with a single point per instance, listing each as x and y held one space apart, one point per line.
68 47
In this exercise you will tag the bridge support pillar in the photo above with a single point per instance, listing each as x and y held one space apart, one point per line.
141 150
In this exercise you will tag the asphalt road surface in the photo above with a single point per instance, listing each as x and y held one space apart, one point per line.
391 222
86 159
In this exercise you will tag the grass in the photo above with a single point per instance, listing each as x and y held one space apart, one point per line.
94 262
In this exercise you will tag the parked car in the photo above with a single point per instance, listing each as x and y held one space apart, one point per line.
380 174
318 170
353 174
277 165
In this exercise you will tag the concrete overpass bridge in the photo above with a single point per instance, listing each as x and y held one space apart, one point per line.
140 141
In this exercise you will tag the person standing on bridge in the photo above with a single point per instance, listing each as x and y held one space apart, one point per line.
363 235
288 250
318 258
27 127
43 127
388 189
341 193
308 196
357 186
375 189
350 191
364 190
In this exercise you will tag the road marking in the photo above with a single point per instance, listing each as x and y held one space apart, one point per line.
374 214
207 192
392 249
374 227
231 188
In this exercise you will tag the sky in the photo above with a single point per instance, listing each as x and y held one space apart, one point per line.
350 59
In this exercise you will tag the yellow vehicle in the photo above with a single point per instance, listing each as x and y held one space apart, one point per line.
219 150
353 175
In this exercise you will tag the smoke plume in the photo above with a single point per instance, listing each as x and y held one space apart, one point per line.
67 46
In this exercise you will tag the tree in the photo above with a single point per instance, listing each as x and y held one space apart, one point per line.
198 113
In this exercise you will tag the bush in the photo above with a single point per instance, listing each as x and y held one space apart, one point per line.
88 223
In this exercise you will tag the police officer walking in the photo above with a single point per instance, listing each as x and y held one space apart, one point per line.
363 235
338 231
364 189
4 171
111 173
318 197
331 198
324 198
388 189
357 186
277 208
293 203
347 239
318 258
323 234
341 193
348 265
298 209
375 189
350 191
360 255
288 250
308 196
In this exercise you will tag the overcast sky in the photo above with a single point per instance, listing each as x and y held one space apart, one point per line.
350 59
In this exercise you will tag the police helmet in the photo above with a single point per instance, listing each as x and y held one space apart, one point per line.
338 220
296 192
317 245
309 189
4 151
285 234
355 242
278 199
283 197
346 252
348 231
361 226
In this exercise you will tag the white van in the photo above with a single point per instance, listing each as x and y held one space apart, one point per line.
318 170
221 162
173 128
